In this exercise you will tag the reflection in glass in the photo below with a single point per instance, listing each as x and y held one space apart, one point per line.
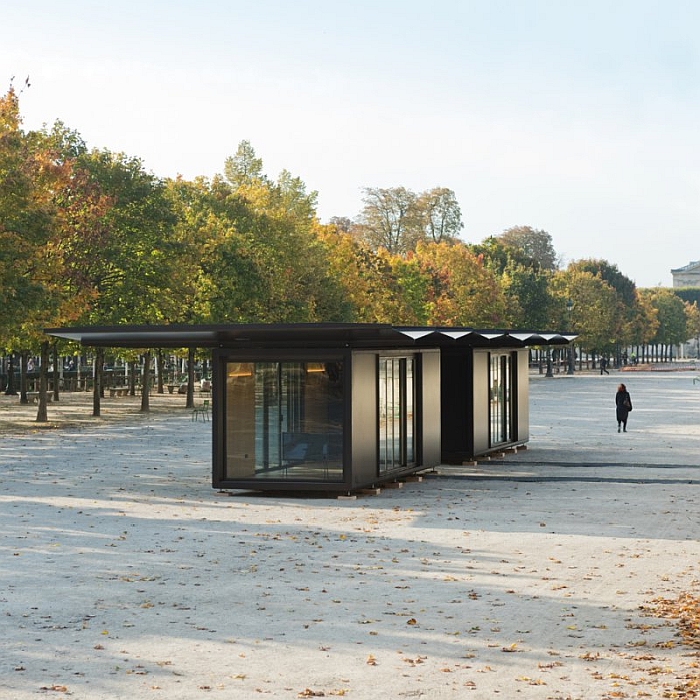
396 401
284 420
500 399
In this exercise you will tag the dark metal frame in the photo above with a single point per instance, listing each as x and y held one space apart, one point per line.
219 448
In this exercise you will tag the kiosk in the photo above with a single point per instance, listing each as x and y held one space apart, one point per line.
341 407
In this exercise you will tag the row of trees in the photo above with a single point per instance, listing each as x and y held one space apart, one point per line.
88 236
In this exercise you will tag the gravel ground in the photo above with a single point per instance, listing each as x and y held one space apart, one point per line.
551 574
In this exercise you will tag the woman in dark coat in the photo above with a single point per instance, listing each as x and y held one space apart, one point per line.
623 402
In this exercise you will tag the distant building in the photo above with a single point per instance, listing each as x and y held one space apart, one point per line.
688 276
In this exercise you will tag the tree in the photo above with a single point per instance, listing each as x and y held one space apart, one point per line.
645 321
412 283
136 268
390 219
292 197
261 257
609 273
397 219
136 271
523 281
36 172
693 323
498 255
672 329
342 224
689 294
627 307
462 292
24 217
534 243
528 293
441 215
593 315
368 279
244 168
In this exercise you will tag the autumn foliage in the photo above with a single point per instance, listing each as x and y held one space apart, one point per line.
91 237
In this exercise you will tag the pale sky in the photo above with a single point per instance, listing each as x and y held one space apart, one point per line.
577 118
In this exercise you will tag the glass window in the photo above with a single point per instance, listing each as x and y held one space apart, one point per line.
284 420
500 398
396 421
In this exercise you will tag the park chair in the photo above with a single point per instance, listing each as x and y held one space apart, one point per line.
202 411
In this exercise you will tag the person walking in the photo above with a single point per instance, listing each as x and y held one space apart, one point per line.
623 404
604 365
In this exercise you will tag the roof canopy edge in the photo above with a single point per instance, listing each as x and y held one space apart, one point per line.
301 334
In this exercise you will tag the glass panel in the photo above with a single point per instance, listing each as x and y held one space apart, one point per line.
493 399
389 419
395 413
500 399
410 429
267 416
284 420
506 372
396 420
240 420
384 410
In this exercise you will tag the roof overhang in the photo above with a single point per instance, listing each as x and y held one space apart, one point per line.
367 335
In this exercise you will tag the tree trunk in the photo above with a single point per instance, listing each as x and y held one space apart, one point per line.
145 382
190 378
10 390
23 359
97 385
56 393
42 413
159 370
132 378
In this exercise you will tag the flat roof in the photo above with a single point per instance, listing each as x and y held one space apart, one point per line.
357 335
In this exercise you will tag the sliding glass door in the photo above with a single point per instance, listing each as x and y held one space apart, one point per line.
500 398
397 434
